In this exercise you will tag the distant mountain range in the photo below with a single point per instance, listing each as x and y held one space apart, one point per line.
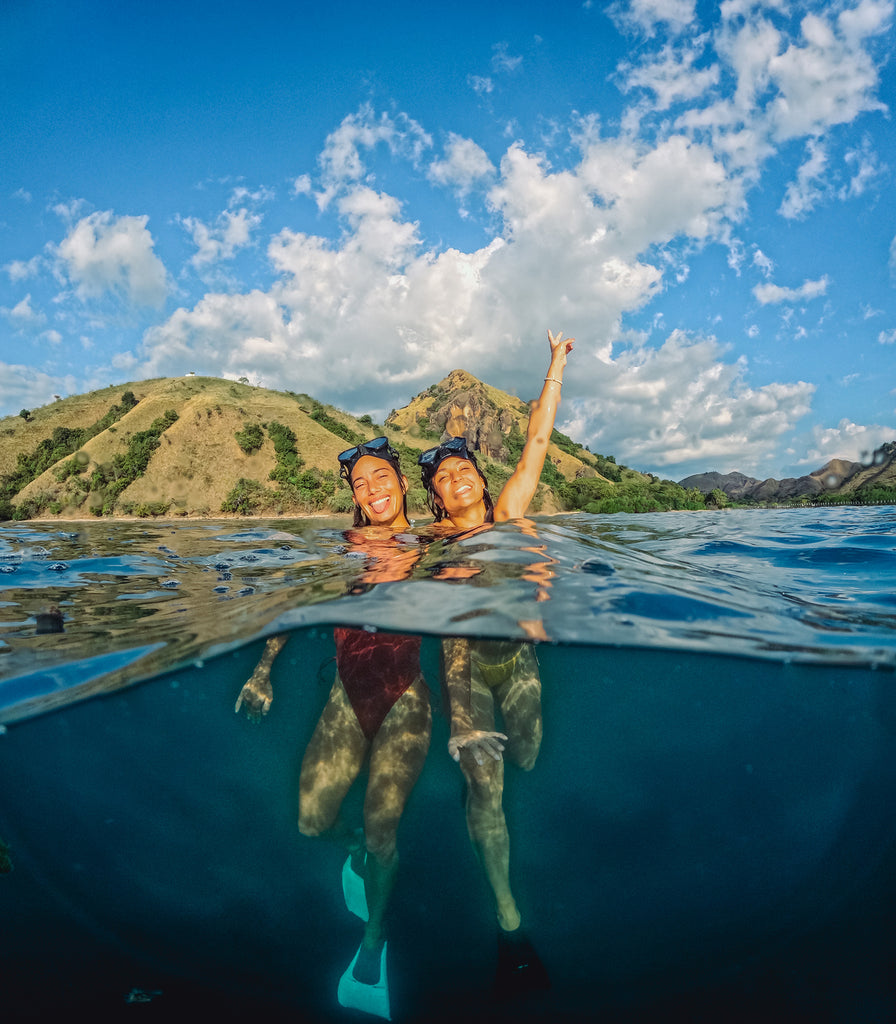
836 477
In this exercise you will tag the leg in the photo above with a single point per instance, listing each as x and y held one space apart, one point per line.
396 759
485 813
519 698
332 762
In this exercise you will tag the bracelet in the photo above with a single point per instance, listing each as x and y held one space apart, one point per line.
556 380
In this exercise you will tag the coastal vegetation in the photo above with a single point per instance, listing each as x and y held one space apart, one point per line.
202 446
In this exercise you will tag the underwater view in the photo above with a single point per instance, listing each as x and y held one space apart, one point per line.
696 753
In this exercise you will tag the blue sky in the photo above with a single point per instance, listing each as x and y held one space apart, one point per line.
352 199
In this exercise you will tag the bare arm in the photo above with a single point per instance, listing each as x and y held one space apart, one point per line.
257 693
519 489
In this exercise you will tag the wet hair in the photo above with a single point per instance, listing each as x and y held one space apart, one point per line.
432 499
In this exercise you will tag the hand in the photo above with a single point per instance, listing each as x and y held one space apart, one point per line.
258 695
560 349
478 743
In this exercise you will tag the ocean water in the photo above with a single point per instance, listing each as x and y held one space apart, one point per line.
708 833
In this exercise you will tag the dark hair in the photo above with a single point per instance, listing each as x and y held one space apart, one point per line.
438 510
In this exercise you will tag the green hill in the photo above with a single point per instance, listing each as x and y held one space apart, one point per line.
204 446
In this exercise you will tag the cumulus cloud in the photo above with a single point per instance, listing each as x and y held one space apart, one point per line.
825 78
464 165
854 441
342 160
105 254
682 405
772 294
887 337
220 241
369 319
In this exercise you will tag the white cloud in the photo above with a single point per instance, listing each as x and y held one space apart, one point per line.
771 294
27 387
503 60
887 337
762 262
464 166
21 270
868 18
342 162
848 440
672 76
803 193
682 406
371 318
823 81
637 185
104 254
24 317
647 15
480 84
230 232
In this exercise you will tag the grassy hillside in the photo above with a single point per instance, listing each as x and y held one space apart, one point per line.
204 446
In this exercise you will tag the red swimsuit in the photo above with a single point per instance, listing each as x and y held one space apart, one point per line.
375 669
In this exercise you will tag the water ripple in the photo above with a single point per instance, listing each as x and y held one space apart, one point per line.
815 585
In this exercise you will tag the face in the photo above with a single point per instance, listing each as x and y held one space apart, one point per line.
378 491
457 484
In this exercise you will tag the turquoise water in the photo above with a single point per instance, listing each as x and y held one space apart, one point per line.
708 831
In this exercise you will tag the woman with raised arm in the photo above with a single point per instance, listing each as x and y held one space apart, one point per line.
378 711
480 674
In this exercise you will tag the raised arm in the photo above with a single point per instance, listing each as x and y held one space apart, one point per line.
520 488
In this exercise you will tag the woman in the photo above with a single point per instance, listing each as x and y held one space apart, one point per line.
378 711
480 674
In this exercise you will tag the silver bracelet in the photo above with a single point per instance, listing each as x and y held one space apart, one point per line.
556 380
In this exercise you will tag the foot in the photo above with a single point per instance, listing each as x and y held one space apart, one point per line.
508 916
367 969
519 970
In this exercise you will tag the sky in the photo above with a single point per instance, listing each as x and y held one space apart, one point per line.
352 199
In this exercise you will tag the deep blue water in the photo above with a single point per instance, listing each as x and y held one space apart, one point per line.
708 833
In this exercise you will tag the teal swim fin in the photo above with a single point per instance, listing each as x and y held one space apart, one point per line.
354 892
355 995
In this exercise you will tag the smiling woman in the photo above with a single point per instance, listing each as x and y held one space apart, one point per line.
378 713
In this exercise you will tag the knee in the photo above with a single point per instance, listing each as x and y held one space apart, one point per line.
381 840
312 822
485 784
310 827
524 753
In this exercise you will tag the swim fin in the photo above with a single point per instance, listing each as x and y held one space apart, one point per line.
520 970
354 891
355 995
